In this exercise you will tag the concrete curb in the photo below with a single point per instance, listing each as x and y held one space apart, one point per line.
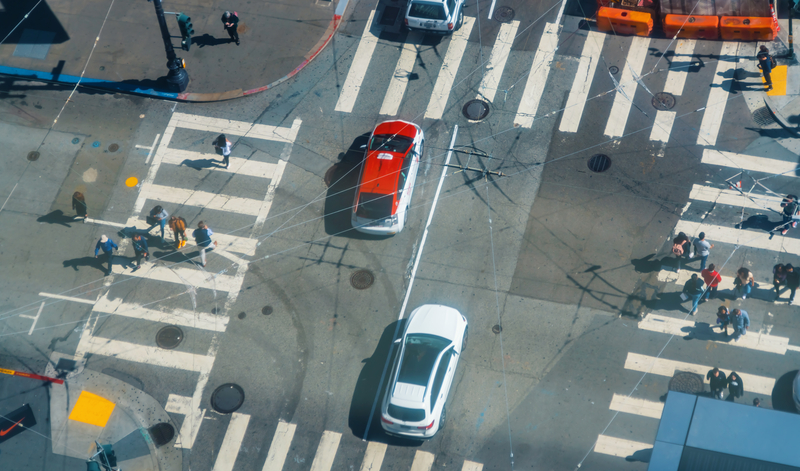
779 117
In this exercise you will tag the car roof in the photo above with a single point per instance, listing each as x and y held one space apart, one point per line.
380 173
434 319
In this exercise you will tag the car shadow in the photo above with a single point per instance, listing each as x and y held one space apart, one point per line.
782 393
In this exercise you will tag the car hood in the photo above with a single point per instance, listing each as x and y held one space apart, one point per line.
434 319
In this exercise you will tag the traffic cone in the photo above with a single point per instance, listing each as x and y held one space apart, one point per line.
774 18
736 185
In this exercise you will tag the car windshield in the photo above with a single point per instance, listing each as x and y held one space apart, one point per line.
390 143
427 11
404 414
420 355
374 206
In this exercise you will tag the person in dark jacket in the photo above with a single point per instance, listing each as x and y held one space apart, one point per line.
792 281
230 22
159 218
790 208
735 386
79 205
140 249
723 319
694 289
717 381
202 237
778 278
765 64
108 247
680 247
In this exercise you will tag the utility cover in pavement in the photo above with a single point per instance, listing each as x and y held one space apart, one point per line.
599 163
227 398
169 337
161 433
34 44
504 14
475 110
362 279
663 101
15 422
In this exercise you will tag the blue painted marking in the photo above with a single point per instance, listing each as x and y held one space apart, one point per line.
96 144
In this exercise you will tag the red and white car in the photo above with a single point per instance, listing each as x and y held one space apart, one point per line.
387 178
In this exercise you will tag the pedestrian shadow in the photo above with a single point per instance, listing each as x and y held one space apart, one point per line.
641 455
705 331
208 40
760 222
647 264
174 256
782 393
98 263
200 164
666 302
58 217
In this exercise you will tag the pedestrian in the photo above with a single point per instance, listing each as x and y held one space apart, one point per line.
778 278
159 217
680 247
79 205
178 226
790 209
223 144
108 247
743 283
757 402
230 22
766 62
693 289
702 249
202 237
740 321
140 250
717 381
723 319
735 386
712 279
792 281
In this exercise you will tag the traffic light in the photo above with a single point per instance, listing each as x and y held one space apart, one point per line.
185 25
107 457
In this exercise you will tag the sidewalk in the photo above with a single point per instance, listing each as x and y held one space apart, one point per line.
58 41
784 100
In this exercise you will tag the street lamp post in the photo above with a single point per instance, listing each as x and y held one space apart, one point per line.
177 78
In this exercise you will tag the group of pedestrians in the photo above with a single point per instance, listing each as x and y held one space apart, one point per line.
737 319
718 382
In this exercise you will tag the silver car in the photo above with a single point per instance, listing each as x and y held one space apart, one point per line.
435 16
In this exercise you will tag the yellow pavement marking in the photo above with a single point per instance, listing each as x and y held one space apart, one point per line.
92 409
778 81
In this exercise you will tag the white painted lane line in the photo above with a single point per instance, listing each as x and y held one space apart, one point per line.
326 451
683 328
201 199
423 461
472 466
718 94
279 448
358 69
373 457
230 243
662 367
405 65
735 198
104 223
537 78
676 78
178 404
266 205
191 421
794 348
197 320
449 69
229 450
662 127
749 162
238 165
497 60
634 406
67 298
181 275
145 354
742 237
619 446
582 83
34 318
235 128
623 99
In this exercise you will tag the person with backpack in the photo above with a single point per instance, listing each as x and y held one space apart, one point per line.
766 62
178 226
790 208
230 22
680 247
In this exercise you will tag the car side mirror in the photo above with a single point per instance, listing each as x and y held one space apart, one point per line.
363 146
397 341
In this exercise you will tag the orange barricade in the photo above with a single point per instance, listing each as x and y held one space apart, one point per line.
745 28
691 27
624 21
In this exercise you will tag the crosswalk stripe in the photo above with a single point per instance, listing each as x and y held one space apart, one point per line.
358 69
144 354
234 128
582 83
193 418
180 275
400 78
679 327
197 320
226 456
537 78
423 461
279 449
663 367
742 237
623 99
750 162
497 60
449 69
718 94
231 243
201 199
676 78
237 165
619 446
640 407
373 457
471 466
326 451
735 198
662 127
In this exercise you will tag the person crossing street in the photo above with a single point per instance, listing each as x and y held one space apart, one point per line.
693 288
108 246
766 62
140 250
740 322
202 237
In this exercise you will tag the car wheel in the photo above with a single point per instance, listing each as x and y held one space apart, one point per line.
443 420
464 342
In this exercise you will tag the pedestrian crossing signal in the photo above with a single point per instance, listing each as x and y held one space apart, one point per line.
187 30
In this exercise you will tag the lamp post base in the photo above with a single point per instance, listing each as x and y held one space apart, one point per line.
177 78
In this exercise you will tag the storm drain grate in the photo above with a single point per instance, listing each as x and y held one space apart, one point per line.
475 110
362 279
33 156
504 14
113 147
389 16
763 116
663 101
169 337
599 163
227 398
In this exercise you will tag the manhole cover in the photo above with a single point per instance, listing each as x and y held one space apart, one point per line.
33 156
266 310
663 101
227 398
242 315
362 279
113 147
613 69
497 328
161 433
475 110
330 174
763 116
599 163
169 337
75 140
690 383
504 14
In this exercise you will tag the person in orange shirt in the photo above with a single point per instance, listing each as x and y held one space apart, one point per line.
712 279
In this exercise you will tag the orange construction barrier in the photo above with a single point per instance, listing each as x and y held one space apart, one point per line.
743 28
624 21
691 27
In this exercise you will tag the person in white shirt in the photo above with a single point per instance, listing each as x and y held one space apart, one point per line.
224 145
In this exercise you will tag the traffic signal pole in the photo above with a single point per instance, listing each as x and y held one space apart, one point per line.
177 78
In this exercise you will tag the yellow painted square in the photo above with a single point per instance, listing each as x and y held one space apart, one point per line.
92 409
778 77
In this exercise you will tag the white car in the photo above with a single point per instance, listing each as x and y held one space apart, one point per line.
435 16
796 391
433 340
